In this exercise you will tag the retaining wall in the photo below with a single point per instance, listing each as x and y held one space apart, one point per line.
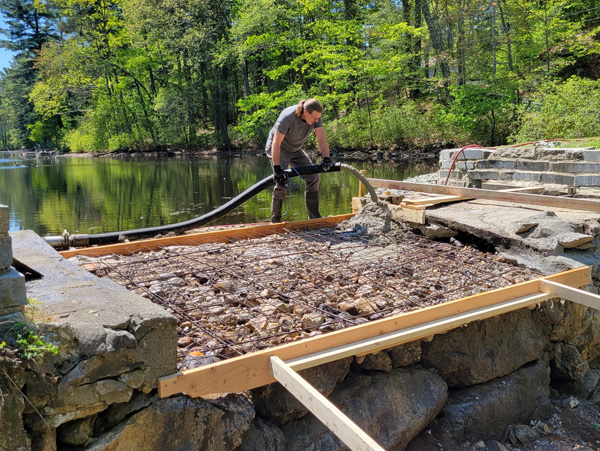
99 392
544 163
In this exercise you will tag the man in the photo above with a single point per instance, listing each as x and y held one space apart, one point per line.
284 148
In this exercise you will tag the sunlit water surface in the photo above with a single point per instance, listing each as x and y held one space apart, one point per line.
103 194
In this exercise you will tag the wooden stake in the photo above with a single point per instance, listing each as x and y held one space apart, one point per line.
338 423
361 185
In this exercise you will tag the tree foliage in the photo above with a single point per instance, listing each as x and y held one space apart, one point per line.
142 74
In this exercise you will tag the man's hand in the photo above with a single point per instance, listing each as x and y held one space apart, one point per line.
279 176
326 164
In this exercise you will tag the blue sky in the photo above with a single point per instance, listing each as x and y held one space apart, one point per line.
5 55
5 58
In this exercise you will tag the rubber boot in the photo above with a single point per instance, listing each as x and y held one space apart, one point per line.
276 206
312 204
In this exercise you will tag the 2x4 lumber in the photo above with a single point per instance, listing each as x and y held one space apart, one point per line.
433 200
217 236
391 339
408 214
445 199
252 370
571 294
338 423
503 196
524 189
361 186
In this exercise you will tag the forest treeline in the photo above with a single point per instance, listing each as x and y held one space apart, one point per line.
97 75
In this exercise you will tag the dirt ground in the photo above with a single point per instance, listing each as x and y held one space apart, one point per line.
575 425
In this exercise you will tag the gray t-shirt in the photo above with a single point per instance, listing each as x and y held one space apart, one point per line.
296 131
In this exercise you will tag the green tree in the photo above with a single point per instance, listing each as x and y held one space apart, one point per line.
30 24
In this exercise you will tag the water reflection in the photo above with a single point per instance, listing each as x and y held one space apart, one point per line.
95 195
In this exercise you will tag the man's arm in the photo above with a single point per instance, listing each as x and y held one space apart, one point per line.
276 147
322 139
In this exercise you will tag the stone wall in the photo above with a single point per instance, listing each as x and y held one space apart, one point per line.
13 299
543 163
99 392
12 283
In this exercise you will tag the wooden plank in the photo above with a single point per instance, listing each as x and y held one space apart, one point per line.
571 294
503 196
252 370
217 236
445 199
361 186
434 200
414 207
524 189
407 214
338 423
357 204
391 339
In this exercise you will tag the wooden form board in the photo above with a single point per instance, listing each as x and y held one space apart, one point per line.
570 293
443 199
391 339
322 408
253 370
414 214
343 427
521 198
217 236
413 210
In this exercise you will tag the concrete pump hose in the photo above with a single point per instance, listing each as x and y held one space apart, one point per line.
387 214
362 178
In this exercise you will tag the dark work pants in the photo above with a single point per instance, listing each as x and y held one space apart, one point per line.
311 193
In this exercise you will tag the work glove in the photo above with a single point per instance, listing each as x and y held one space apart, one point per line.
279 176
326 164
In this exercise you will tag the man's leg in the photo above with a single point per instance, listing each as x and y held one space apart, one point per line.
279 192
311 193
277 203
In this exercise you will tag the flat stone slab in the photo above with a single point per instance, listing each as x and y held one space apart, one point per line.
111 329
541 235
70 294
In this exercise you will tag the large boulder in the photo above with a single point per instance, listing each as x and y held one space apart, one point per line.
391 407
567 364
274 402
484 350
181 423
483 412
574 324
262 436
405 354
12 404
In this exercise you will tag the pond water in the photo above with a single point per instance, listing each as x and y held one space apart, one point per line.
104 194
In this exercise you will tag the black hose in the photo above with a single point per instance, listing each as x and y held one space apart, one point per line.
114 237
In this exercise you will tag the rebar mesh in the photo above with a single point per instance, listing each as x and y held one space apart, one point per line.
239 297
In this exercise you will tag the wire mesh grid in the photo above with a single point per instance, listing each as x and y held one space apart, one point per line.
250 294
